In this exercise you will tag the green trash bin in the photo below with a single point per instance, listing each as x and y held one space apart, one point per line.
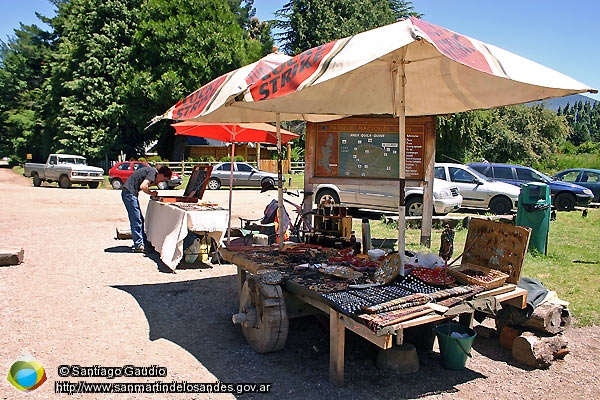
533 211
455 343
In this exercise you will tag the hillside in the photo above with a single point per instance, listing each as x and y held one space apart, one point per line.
553 104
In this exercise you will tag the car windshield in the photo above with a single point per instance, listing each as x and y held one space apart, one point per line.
478 174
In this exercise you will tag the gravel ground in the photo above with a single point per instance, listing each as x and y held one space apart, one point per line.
82 298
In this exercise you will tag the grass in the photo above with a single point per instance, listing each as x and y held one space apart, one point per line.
571 268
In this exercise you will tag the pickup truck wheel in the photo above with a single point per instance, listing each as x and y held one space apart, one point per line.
93 185
36 180
564 202
214 184
414 207
64 182
116 184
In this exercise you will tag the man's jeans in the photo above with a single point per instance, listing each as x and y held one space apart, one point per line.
136 219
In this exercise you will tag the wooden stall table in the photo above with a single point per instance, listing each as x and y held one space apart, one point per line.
167 225
269 331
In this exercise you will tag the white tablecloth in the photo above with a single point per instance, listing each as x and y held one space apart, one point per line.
167 225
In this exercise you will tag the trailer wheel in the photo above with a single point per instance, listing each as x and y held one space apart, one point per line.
263 315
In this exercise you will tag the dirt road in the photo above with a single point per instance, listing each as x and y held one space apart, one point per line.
82 298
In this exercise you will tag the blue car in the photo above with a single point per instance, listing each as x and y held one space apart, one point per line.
565 195
586 177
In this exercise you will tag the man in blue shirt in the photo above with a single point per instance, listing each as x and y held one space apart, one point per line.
141 179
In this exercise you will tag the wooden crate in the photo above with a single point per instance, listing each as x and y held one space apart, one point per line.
497 245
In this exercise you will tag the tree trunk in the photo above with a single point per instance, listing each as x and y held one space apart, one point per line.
549 318
538 352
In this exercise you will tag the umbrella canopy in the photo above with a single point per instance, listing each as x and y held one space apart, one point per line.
236 133
212 96
441 72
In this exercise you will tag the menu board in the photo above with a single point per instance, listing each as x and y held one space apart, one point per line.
368 150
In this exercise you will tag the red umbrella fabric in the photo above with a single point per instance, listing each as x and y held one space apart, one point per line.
234 133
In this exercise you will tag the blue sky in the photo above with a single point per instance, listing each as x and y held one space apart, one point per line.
561 35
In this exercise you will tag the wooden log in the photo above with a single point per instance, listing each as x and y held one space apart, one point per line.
11 257
549 318
123 233
538 352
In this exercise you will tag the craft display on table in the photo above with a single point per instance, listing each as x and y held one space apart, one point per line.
452 301
340 271
397 304
206 206
377 321
346 301
415 285
477 275
388 270
270 276
432 276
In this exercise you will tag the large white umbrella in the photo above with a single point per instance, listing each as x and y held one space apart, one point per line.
409 68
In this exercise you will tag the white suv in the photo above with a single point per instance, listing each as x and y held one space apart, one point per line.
446 197
479 191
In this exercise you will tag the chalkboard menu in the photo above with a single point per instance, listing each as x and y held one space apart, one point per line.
368 150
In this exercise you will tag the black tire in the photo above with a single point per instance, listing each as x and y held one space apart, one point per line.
325 195
36 179
500 205
267 183
565 202
214 184
64 182
414 207
117 184
93 185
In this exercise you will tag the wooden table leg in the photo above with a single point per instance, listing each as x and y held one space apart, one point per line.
337 339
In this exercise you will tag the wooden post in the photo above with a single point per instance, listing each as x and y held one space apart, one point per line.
289 158
337 339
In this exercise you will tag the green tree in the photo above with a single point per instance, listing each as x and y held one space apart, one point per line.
309 23
86 104
530 135
23 60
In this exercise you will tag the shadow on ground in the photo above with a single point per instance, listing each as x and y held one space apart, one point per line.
196 315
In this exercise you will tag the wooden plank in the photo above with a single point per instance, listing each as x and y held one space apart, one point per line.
508 287
337 339
11 257
517 298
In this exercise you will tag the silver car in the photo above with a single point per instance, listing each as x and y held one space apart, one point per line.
243 175
477 190
446 197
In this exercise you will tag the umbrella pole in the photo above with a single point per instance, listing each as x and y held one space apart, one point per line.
401 110
230 192
280 210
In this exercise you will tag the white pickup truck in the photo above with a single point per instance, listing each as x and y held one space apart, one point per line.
66 169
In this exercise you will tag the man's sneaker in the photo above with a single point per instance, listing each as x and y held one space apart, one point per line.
139 249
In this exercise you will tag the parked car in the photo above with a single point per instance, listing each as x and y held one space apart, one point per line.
589 178
244 174
119 173
477 190
565 195
66 169
446 197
